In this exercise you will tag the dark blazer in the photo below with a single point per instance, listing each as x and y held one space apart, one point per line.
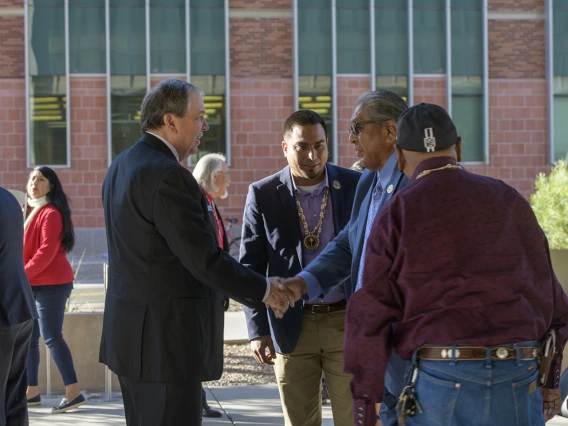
17 303
272 243
165 269
340 259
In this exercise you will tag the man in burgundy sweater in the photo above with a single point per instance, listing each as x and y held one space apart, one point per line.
459 261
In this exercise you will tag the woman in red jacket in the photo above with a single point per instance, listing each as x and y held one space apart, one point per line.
48 236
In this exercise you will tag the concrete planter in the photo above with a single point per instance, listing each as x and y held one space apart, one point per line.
82 332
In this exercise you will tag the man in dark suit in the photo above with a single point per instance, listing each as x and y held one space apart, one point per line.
17 314
373 135
289 218
166 269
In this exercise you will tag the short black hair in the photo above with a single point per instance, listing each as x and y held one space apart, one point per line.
168 96
303 117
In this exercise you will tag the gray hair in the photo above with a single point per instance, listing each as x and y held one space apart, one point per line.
168 96
382 105
206 168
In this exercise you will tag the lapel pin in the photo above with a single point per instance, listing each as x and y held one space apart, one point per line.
390 189
336 184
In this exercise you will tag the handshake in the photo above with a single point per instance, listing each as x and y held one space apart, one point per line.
284 293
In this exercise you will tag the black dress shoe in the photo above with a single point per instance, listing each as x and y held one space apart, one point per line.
36 400
64 405
209 412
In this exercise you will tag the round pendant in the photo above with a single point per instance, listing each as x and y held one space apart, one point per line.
311 242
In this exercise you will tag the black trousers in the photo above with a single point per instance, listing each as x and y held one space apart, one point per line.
161 403
14 347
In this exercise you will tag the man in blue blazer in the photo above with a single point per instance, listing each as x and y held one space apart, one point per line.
373 135
289 219
17 313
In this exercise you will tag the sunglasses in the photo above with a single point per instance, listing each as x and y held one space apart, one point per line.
355 127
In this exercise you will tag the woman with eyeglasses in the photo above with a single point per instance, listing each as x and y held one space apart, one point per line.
48 236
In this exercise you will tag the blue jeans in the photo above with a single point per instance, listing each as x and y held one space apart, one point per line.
50 302
481 393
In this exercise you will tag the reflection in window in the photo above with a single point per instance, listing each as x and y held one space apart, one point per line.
429 37
467 70
128 71
314 57
87 37
560 83
391 46
352 36
208 71
47 83
167 41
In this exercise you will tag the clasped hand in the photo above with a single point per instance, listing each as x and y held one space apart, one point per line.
279 298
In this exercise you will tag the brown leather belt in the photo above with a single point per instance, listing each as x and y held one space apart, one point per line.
324 308
476 353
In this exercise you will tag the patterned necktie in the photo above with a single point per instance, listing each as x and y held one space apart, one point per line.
373 209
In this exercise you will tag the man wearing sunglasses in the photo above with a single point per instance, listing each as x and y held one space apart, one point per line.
373 135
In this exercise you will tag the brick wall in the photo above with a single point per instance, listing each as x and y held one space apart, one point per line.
260 4
11 47
516 49
259 108
518 132
261 47
516 5
430 90
349 89
11 3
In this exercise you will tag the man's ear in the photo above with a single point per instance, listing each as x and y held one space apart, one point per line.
169 122
284 148
459 149
391 128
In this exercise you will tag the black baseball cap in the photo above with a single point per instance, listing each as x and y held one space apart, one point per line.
425 128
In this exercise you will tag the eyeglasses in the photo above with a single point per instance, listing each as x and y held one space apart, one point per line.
228 174
355 127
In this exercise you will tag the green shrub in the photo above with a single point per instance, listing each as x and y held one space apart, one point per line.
550 205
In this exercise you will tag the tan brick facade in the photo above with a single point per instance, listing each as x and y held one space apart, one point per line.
431 90
516 5
260 4
516 49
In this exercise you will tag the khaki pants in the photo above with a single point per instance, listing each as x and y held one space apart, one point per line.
319 349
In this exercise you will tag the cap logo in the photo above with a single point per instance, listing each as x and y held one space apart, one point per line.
429 140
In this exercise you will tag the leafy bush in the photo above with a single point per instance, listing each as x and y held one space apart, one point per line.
550 205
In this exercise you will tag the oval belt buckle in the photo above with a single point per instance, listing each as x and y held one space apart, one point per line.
502 353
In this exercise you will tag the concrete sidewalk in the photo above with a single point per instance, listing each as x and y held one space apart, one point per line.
240 405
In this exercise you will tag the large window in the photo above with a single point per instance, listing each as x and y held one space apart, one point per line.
467 70
391 46
429 37
560 79
47 84
128 81
87 54
352 36
167 41
314 57
208 70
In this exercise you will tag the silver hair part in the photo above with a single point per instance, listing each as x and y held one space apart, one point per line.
382 105
206 168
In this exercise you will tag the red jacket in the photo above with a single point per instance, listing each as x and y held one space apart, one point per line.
44 256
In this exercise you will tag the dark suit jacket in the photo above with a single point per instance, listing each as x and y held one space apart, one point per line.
340 259
17 303
272 243
165 269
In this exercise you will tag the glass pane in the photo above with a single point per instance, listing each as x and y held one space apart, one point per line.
391 38
396 83
560 37
429 37
127 37
167 36
47 37
560 127
207 38
466 38
353 37
87 37
127 93
315 94
314 37
467 115
48 124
